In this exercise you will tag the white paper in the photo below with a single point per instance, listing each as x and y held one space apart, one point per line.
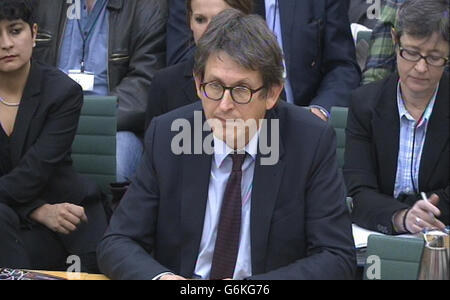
361 235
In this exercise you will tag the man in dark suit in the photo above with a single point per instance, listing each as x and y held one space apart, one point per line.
260 202
398 130
319 52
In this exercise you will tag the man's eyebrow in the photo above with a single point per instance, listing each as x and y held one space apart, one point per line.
245 82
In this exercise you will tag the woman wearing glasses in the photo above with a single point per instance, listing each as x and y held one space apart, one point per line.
174 87
397 151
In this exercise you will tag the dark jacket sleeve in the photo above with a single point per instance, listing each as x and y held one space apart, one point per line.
157 94
124 252
331 251
148 57
372 208
22 187
341 73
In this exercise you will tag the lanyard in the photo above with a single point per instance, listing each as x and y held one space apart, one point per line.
86 35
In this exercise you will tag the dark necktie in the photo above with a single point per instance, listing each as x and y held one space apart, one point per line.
260 8
229 230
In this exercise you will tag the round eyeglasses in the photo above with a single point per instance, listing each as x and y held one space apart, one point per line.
240 94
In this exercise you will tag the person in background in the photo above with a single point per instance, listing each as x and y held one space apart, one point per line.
174 86
397 144
381 60
234 212
47 210
111 47
319 53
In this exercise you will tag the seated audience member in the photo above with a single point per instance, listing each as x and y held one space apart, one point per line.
113 46
174 86
398 130
234 210
381 61
318 48
44 205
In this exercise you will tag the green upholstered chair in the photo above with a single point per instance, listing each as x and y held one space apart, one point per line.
94 147
339 122
399 257
364 36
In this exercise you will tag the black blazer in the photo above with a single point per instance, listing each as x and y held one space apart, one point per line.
371 154
171 88
300 226
41 144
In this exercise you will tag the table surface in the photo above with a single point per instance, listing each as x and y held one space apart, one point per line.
75 276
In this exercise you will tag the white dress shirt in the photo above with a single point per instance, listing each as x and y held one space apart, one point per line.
220 172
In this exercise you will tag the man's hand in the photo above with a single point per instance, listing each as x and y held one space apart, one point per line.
423 215
318 113
61 218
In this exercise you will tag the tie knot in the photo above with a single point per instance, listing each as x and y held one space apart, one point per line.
238 161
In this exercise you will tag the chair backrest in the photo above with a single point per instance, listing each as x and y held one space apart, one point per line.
399 257
339 123
94 147
364 35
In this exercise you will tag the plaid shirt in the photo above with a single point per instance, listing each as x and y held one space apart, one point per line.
403 184
381 60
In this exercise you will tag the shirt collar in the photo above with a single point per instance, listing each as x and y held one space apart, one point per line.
221 149
403 112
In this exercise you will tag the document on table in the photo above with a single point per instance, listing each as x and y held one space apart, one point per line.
360 235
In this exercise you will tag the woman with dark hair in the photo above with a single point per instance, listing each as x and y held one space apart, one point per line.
44 203
174 86
397 152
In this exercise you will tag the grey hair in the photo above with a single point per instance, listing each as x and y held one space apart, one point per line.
249 43
423 18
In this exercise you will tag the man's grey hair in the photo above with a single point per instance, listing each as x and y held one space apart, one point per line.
423 18
249 43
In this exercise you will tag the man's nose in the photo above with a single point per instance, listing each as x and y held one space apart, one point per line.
226 103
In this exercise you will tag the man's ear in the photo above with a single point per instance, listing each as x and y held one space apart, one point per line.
198 82
273 96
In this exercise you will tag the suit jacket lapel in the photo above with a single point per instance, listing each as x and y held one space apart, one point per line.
437 134
27 108
386 131
196 171
189 86
266 183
